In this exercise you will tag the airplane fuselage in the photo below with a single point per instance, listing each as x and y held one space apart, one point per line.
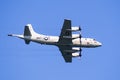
54 40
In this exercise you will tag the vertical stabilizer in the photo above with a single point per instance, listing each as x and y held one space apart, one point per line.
28 31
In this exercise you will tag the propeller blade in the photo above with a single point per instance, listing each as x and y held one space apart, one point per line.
80 42
80 32
80 52
80 28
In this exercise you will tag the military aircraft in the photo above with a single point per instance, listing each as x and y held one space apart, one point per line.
69 43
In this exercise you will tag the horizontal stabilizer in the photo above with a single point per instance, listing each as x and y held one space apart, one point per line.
27 41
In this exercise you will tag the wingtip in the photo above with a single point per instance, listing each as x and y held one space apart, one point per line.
67 19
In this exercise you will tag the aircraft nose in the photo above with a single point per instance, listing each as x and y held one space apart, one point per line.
99 44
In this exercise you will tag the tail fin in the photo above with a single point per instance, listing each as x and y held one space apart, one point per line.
28 30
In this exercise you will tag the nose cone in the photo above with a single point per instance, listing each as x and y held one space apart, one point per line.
99 44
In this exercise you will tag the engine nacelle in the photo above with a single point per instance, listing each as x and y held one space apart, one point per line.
74 29
76 54
74 36
74 49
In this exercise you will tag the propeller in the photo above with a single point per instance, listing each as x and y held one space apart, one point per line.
80 28
80 41
80 52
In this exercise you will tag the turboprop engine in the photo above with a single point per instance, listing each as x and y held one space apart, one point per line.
74 29
76 54
74 36
74 49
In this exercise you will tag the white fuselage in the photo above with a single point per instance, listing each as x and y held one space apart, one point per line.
53 40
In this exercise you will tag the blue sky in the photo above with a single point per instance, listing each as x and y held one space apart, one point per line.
99 19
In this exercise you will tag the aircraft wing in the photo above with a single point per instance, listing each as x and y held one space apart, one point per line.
66 55
65 32
64 42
